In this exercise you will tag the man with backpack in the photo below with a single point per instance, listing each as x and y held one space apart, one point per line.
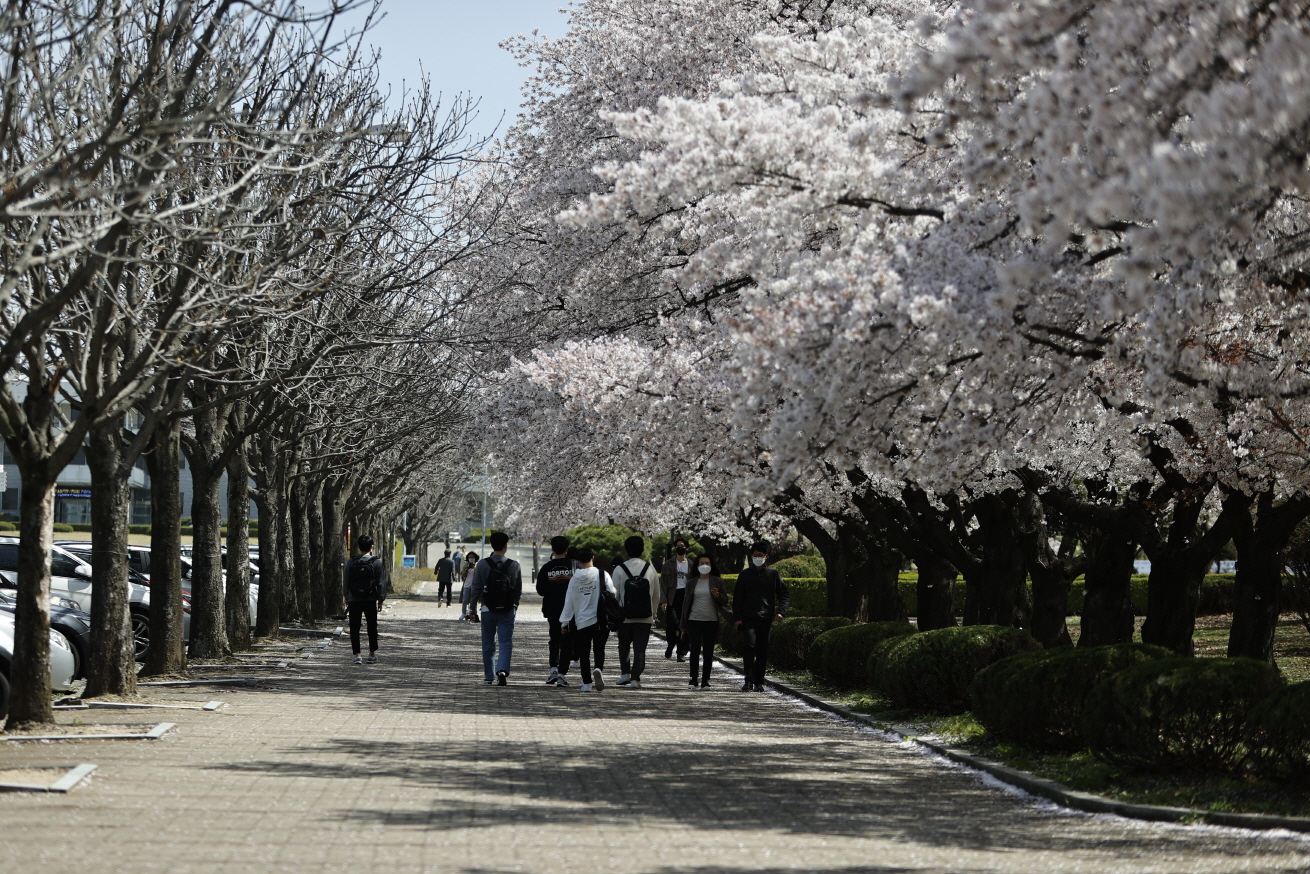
638 589
552 585
498 586
445 571
364 586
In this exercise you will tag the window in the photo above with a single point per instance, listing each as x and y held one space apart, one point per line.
63 565
9 499
8 556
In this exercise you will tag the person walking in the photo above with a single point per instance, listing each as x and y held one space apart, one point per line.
580 617
704 601
364 586
760 598
498 587
673 589
552 586
445 572
471 565
638 589
458 560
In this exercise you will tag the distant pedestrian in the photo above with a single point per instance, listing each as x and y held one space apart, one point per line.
759 599
364 586
638 589
673 590
498 587
470 565
445 571
552 586
704 601
581 615
458 560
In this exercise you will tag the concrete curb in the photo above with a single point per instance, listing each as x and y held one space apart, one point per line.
66 783
1048 789
153 734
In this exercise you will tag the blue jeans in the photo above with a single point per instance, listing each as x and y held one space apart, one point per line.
497 625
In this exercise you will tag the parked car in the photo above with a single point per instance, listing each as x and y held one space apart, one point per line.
65 617
70 577
61 661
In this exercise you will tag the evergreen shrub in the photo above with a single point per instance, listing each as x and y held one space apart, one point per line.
809 597
64 528
1278 734
138 529
802 567
1176 713
790 640
1039 700
729 640
7 526
934 669
841 656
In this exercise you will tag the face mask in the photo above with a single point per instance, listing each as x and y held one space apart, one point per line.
681 550
757 560
705 570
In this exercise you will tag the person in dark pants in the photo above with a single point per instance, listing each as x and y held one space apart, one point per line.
445 571
364 586
704 600
637 578
760 598
581 617
552 586
673 588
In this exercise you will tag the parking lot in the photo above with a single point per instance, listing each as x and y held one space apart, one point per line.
414 765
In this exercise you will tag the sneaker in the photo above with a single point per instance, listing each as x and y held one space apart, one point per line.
705 684
359 660
747 687
624 680
554 675
561 683
693 683
585 687
668 653
635 684
488 682
597 680
681 657
759 687
371 660
501 678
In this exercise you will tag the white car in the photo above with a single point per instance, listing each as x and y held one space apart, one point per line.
62 661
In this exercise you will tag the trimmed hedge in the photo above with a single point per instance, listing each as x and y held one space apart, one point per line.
933 670
791 638
841 656
1177 713
8 526
64 528
1039 701
802 567
1278 734
729 640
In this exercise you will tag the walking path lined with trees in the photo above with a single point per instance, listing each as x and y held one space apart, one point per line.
414 765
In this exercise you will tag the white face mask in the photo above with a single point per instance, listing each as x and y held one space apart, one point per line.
705 570
757 560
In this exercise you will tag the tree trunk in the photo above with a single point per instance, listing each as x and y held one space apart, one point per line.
269 617
236 600
299 531
997 584
1107 586
208 627
1052 573
336 547
936 592
112 666
317 548
291 609
167 647
1260 541
29 673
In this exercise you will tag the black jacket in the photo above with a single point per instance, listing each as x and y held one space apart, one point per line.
445 570
760 594
553 585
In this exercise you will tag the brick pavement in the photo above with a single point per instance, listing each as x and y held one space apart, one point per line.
414 765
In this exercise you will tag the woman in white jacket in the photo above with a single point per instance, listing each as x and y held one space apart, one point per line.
580 616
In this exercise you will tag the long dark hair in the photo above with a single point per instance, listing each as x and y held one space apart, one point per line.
471 558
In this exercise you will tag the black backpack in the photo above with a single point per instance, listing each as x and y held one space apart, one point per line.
636 594
498 590
362 578
609 613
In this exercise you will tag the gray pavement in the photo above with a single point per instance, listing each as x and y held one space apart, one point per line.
414 765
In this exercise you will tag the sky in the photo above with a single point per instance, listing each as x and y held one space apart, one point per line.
455 45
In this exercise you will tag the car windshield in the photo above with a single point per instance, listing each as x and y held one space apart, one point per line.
62 564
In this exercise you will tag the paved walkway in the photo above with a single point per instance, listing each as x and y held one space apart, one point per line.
414 765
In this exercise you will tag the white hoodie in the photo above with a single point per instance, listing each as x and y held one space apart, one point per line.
582 600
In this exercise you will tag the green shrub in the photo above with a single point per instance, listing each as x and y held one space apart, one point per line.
138 529
809 597
791 638
1278 734
841 656
8 526
64 528
1176 713
1039 701
933 670
729 640
802 567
